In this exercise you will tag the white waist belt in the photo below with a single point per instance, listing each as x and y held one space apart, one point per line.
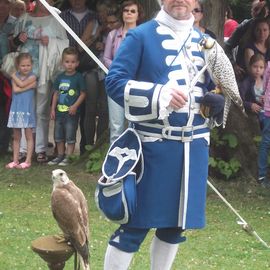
184 134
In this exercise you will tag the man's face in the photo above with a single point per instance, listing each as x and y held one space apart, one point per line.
78 5
179 9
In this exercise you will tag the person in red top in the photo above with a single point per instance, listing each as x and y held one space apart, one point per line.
230 24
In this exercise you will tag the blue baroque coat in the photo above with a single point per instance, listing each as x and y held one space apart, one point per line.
172 190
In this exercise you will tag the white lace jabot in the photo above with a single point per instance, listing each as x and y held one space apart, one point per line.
181 27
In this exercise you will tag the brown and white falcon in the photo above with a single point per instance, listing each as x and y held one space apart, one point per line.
69 208
222 74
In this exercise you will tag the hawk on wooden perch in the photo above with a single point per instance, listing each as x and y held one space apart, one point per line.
69 208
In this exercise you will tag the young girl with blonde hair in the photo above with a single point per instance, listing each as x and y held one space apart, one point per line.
22 111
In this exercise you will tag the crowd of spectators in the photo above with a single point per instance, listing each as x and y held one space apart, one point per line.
248 49
28 27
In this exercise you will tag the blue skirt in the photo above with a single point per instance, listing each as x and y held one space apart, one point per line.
22 110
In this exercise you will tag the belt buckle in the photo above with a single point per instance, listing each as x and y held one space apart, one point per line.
186 129
166 132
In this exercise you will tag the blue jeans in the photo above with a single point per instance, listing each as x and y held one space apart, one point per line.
116 119
264 148
65 128
261 117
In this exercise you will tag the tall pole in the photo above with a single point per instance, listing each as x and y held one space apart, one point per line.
73 34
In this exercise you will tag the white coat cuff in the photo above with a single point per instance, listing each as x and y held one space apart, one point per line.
165 98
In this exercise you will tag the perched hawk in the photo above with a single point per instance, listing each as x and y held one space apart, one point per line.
69 208
222 74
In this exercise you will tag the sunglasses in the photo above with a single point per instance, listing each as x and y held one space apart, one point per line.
130 10
196 10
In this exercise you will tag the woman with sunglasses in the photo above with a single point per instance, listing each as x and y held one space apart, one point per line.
198 15
131 15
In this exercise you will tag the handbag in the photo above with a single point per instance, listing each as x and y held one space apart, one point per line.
116 191
8 65
117 201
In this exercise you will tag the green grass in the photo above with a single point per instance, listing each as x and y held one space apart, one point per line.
25 215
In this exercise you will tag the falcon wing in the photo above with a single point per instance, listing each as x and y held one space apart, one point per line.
69 215
84 207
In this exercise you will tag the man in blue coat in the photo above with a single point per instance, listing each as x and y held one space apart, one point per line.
157 77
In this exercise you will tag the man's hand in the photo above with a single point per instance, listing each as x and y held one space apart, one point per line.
178 100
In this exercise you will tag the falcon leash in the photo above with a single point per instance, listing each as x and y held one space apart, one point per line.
245 226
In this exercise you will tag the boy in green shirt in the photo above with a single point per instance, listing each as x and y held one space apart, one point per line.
69 92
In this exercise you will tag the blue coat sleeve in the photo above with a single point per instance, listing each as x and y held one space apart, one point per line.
124 67
139 98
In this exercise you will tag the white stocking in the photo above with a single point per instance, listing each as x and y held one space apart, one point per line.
162 254
116 259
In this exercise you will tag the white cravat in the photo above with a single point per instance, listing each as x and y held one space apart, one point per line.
181 27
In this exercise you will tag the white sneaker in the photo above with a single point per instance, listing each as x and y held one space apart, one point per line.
64 162
56 160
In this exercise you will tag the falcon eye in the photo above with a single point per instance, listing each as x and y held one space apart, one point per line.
61 174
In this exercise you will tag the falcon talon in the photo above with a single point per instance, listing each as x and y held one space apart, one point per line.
60 238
